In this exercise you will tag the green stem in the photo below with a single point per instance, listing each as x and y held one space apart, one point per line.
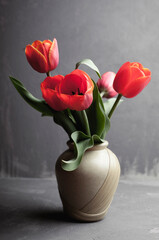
48 74
62 119
85 122
114 106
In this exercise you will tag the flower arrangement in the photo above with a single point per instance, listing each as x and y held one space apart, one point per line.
77 103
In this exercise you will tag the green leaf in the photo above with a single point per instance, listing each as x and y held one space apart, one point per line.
63 119
98 120
82 142
96 139
81 121
108 104
89 63
39 105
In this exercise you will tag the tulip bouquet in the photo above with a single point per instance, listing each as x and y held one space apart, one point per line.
77 103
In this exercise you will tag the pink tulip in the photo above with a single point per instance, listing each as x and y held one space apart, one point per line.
105 85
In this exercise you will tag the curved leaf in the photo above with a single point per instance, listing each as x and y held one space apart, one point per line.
60 117
82 142
39 105
89 63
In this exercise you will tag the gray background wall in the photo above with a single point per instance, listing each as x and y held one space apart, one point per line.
110 32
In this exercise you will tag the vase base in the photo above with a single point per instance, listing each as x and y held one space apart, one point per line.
85 217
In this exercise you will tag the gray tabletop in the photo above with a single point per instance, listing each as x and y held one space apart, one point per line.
31 209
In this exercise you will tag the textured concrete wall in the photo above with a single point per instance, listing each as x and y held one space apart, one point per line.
110 32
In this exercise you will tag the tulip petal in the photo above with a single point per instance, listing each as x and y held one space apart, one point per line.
46 45
49 93
36 59
135 87
52 82
77 82
39 46
53 55
73 84
136 64
52 99
76 90
136 73
36 43
124 66
146 71
77 102
85 78
42 48
121 79
108 79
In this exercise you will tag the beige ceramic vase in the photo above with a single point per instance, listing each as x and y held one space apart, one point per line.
87 192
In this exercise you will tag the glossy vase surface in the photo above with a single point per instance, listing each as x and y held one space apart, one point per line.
87 192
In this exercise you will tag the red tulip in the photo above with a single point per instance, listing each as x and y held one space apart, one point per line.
105 85
49 92
43 56
131 79
74 91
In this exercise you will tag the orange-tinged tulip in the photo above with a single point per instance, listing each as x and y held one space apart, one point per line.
43 56
131 79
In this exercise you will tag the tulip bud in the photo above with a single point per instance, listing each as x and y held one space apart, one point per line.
105 85
43 56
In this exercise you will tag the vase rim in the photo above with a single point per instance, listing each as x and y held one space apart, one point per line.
99 146
96 146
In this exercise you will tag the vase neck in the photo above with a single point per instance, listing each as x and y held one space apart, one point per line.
99 146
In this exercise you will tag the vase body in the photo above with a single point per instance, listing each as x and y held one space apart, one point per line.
87 192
